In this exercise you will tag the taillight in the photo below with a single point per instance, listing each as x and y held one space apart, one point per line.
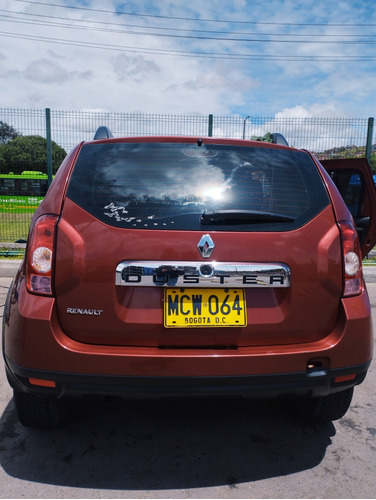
40 255
352 260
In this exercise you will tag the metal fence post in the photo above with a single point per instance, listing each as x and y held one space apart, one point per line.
210 126
49 145
369 139
244 122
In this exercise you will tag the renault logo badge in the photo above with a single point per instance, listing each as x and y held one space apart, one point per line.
206 246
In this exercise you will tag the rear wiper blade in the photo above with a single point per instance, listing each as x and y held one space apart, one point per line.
242 217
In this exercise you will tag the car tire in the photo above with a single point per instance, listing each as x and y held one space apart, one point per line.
325 408
39 412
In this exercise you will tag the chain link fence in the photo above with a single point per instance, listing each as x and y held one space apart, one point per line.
59 131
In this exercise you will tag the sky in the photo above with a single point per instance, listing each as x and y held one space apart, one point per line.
243 57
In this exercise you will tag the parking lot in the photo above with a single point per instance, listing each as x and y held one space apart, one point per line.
111 448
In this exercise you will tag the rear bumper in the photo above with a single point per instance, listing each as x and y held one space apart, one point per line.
35 347
313 384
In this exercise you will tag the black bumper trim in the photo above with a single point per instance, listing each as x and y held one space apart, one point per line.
316 383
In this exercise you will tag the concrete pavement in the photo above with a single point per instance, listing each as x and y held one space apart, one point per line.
8 268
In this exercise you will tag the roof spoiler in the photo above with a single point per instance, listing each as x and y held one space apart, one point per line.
102 132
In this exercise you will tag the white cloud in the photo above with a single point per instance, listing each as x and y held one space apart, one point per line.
316 110
69 75
136 68
45 71
217 80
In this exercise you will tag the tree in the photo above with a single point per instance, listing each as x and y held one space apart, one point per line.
29 152
264 138
373 162
7 133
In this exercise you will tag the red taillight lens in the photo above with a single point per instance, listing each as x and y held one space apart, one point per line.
40 255
352 260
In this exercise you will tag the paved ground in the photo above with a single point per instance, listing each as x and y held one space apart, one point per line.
114 449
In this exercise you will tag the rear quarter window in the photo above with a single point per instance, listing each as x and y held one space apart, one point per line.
152 185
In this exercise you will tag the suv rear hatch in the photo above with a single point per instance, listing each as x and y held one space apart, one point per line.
186 243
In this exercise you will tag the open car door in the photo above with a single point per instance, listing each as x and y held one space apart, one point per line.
354 180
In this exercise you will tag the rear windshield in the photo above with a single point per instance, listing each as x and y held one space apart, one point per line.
186 186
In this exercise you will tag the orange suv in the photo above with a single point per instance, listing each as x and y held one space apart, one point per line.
193 266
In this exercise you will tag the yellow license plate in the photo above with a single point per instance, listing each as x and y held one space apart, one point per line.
204 307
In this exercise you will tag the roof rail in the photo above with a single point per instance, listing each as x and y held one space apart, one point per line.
279 139
102 132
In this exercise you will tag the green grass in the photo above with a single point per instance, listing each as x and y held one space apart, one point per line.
14 226
369 262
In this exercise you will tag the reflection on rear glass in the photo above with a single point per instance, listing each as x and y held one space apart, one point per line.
166 185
